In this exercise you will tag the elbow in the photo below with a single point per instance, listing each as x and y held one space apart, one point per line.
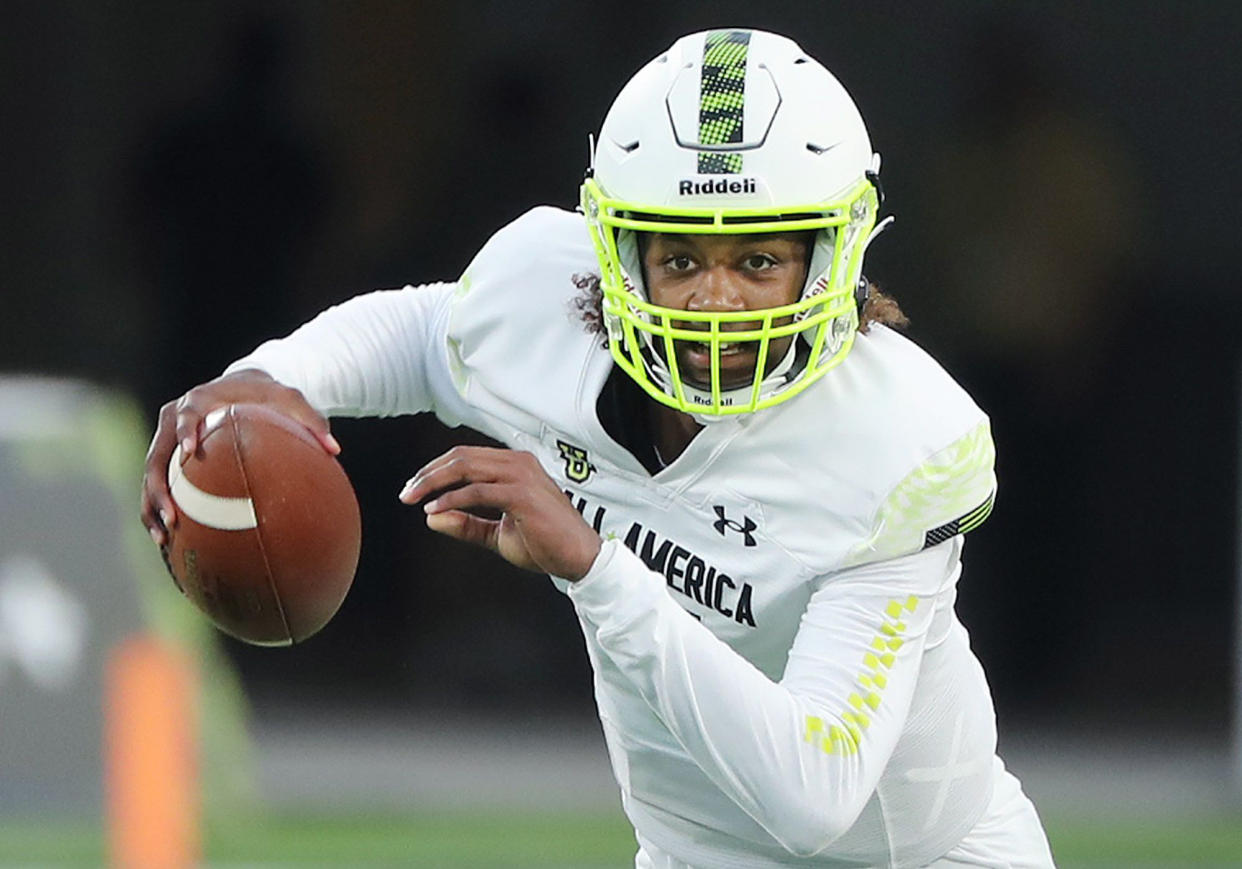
807 830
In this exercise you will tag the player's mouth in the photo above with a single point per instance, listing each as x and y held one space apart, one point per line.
727 348
737 363
700 352
738 360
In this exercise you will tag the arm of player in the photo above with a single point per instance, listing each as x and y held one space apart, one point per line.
377 354
802 756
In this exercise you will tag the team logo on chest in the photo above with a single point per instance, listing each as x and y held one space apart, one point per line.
744 527
578 467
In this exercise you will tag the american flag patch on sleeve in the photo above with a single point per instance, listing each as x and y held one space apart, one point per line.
960 525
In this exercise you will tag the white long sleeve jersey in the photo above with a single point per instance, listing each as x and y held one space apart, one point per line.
779 672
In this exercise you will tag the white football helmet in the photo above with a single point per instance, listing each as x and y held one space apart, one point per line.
732 131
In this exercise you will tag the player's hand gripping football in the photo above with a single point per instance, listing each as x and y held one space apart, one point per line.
538 530
181 421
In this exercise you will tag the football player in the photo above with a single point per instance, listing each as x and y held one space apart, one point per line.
753 490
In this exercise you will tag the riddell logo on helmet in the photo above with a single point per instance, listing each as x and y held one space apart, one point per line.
686 187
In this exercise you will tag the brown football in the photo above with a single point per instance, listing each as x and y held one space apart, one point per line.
268 533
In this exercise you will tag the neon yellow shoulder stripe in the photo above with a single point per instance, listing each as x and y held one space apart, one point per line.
950 493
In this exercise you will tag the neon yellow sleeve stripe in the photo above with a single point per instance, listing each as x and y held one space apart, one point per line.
845 738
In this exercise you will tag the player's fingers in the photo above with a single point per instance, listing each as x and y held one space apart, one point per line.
158 512
447 476
498 496
158 515
458 467
157 509
471 463
330 443
293 404
317 425
436 465
464 453
150 521
465 527
189 422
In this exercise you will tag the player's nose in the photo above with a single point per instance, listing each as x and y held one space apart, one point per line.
718 289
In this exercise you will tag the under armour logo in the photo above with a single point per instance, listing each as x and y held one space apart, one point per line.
744 527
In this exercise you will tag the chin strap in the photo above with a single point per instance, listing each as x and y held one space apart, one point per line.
862 292
873 175
876 230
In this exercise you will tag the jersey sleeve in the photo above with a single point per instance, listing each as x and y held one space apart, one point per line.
950 493
378 354
801 756
516 345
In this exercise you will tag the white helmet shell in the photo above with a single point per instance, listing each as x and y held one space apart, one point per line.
801 138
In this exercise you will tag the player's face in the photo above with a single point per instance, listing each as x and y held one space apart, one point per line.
725 273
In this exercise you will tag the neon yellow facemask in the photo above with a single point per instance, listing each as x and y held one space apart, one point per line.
643 337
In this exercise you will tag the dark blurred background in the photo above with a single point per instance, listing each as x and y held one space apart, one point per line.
183 180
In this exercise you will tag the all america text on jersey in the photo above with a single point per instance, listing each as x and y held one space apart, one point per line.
685 572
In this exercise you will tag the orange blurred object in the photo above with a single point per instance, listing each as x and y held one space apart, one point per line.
151 763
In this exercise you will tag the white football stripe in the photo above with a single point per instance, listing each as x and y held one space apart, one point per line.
214 511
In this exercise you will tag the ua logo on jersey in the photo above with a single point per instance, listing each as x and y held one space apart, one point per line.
744 527
577 466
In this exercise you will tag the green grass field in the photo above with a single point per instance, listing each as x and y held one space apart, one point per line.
511 841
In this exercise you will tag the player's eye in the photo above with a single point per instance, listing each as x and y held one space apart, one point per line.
757 262
678 263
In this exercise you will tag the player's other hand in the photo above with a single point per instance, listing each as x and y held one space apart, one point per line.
181 422
538 528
